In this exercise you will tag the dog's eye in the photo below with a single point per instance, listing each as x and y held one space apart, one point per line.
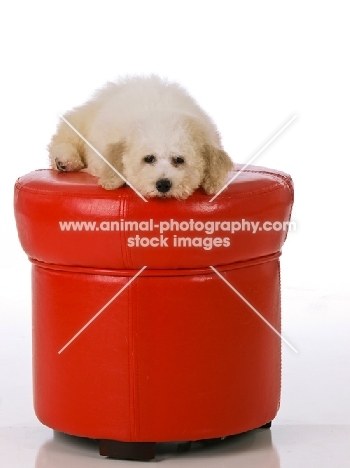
178 160
149 159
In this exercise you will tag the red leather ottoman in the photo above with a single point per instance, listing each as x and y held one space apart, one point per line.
173 354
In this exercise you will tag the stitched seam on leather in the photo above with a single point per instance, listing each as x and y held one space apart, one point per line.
25 188
285 180
133 363
130 365
276 175
82 195
118 272
251 194
136 363
127 249
122 233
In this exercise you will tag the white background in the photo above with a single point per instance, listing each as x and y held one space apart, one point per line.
251 65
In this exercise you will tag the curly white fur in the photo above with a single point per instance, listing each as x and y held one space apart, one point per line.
152 132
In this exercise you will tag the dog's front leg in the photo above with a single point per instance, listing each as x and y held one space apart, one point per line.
110 180
66 158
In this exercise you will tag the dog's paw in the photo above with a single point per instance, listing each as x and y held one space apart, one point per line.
111 183
60 166
65 157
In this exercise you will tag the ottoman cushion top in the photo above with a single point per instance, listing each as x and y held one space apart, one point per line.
68 220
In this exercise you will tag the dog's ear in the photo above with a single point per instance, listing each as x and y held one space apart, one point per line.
217 166
114 155
217 162
193 128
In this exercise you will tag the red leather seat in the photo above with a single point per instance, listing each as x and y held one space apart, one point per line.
178 355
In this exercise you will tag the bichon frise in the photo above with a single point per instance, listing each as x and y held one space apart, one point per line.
152 132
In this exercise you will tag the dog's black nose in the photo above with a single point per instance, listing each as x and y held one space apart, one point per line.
163 185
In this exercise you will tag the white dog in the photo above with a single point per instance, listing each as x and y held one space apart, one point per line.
152 132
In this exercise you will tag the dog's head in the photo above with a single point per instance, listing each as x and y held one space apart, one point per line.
171 156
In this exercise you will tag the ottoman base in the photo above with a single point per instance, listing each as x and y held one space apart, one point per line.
266 426
144 451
